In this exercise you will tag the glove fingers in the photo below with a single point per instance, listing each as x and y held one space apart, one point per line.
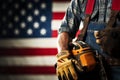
59 76
73 72
70 75
64 76
66 72
67 75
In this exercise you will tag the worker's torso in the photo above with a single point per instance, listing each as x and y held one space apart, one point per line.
101 11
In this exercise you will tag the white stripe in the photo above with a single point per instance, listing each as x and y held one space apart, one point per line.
29 43
28 61
60 6
56 24
28 77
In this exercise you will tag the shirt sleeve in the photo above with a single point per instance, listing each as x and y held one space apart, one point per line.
71 20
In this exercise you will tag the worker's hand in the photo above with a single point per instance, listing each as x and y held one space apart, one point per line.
66 66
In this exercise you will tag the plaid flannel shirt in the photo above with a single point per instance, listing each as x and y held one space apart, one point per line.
75 14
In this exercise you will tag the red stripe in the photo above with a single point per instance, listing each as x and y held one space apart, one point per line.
58 15
28 52
54 33
27 70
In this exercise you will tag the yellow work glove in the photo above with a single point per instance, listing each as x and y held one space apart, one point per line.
66 66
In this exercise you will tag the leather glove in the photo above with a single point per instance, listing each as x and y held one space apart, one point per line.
66 66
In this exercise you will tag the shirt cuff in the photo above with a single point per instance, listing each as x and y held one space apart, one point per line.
63 29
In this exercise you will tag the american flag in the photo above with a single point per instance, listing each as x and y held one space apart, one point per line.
28 38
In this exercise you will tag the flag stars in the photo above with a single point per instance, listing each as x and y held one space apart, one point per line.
23 12
43 31
43 18
23 25
36 1
25 18
43 5
16 18
10 12
29 32
36 25
16 32
29 18
10 25
16 6
30 5
36 12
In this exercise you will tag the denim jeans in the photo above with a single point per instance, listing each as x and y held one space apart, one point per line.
90 39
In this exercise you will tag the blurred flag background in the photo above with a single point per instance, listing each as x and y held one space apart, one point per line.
28 34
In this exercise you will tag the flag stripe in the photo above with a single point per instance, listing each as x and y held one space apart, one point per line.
33 58
58 15
28 60
54 33
27 70
60 6
28 77
28 51
56 24
29 43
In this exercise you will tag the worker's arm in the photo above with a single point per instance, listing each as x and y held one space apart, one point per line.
63 41
65 67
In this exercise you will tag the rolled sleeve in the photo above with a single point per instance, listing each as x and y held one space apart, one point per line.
63 29
71 20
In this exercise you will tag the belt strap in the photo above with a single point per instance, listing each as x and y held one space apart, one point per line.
112 19
88 12
114 11
82 34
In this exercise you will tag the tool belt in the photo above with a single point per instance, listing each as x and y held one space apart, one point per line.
113 62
